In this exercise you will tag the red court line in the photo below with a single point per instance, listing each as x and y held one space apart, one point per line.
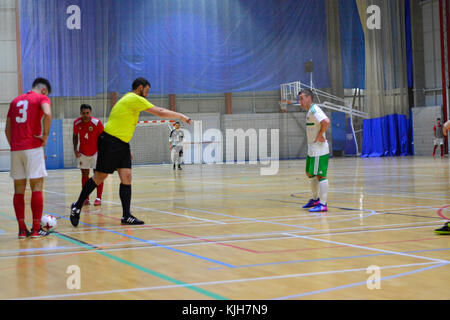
186 235
275 251
440 212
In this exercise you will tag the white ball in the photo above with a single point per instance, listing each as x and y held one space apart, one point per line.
48 222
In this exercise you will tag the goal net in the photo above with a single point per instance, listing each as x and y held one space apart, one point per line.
150 143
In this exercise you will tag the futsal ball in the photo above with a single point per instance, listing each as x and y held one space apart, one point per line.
48 222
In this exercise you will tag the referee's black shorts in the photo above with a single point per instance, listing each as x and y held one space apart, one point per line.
113 154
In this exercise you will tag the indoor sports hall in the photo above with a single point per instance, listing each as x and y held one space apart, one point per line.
242 206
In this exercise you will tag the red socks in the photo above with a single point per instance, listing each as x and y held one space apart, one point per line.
19 208
100 190
99 187
84 180
37 206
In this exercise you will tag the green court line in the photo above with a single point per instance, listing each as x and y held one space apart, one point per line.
136 266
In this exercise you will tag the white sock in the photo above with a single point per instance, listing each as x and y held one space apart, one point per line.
315 188
323 191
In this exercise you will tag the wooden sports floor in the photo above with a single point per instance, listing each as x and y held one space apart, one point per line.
227 232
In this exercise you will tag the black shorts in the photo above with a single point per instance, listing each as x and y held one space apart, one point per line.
113 154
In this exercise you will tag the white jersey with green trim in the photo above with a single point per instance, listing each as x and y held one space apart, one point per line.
313 118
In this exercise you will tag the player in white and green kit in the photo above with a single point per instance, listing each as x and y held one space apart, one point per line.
317 124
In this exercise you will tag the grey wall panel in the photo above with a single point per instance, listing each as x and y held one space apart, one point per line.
424 118
8 53
8 83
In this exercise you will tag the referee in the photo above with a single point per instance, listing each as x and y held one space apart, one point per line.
114 149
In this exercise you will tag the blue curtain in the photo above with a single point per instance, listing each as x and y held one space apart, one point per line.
181 47
388 136
352 45
71 59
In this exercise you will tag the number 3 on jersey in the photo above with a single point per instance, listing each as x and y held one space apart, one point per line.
23 105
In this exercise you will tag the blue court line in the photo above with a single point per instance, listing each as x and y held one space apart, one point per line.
327 259
2 231
359 283
150 242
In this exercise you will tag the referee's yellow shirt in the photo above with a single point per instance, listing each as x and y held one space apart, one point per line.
124 116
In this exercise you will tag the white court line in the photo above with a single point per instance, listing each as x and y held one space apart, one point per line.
112 249
150 209
371 249
223 183
243 218
370 194
170 213
209 283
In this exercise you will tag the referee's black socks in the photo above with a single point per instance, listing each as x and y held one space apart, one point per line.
85 192
125 197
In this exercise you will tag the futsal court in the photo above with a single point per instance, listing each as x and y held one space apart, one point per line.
244 97
226 232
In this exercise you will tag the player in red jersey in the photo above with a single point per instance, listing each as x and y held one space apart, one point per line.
87 128
438 137
27 141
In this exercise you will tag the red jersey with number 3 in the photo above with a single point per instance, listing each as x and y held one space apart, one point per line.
25 114
88 132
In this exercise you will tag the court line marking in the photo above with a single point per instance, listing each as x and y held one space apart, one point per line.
131 264
228 236
243 218
148 209
371 194
209 283
112 249
370 249
167 212
352 229
150 242
440 212
186 235
359 283
146 270
325 259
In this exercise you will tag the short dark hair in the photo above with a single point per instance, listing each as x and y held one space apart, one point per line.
140 81
178 122
43 81
438 119
307 92
85 106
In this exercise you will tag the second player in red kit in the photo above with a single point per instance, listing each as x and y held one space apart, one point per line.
87 129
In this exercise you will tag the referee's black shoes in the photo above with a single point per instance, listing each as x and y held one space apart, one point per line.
74 215
131 220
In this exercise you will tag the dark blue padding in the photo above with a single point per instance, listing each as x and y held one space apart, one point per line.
54 150
386 136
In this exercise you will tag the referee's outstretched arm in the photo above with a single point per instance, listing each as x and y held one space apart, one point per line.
166 113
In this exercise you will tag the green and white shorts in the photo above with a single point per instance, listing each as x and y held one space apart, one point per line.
317 166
